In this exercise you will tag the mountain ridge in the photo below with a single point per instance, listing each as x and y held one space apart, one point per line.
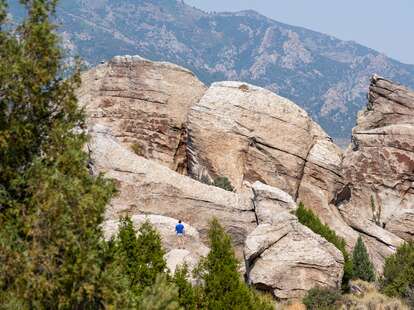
326 76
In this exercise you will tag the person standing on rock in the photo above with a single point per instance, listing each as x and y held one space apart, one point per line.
180 231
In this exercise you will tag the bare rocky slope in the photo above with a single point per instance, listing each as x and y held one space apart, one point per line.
161 135
327 77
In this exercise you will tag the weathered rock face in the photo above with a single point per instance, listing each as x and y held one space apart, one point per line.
380 164
150 190
249 134
146 187
273 154
322 178
270 201
145 104
285 257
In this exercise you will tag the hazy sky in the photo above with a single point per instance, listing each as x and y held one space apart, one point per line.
384 25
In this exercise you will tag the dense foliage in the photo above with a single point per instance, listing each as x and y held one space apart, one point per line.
308 218
162 295
362 267
223 287
186 292
398 278
52 254
141 257
321 299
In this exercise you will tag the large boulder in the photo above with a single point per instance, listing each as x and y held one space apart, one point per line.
146 187
288 259
249 134
269 202
378 169
283 256
145 104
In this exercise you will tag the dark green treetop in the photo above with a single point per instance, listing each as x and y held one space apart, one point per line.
51 208
362 267
223 287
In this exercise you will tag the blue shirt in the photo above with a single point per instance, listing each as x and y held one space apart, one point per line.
179 228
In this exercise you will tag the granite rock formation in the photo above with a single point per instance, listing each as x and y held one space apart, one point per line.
273 154
288 259
151 191
146 187
284 257
145 104
378 170
249 134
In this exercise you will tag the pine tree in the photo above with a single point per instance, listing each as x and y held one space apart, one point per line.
223 287
186 292
362 266
142 257
151 260
126 254
51 251
162 295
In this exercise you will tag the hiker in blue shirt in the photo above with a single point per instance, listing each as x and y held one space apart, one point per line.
180 231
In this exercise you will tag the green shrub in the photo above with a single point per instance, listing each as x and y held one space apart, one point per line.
51 208
138 149
308 218
224 183
362 267
263 301
162 295
321 299
398 278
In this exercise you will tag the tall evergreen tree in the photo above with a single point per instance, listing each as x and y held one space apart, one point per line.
151 260
140 257
223 287
186 292
126 254
50 207
362 266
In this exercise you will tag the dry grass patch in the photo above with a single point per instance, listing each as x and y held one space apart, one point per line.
369 298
